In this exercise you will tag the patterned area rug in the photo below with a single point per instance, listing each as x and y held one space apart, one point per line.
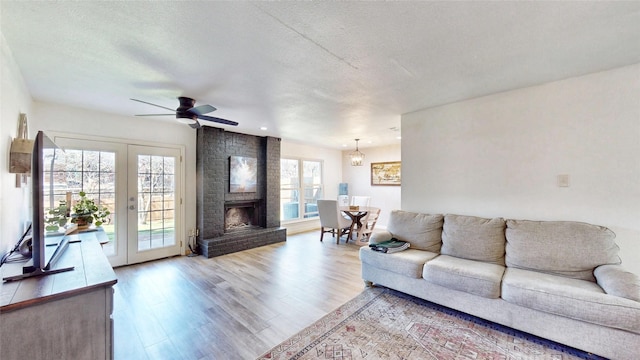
385 324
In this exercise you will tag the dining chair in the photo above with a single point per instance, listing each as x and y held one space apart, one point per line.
368 224
331 220
360 200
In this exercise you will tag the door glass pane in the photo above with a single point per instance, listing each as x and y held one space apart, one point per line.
156 202
94 173
169 165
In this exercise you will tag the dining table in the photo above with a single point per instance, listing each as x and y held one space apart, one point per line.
356 214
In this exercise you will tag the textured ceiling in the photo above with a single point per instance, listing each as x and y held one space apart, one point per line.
318 72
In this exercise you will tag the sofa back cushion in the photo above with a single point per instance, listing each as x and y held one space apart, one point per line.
422 231
565 248
474 238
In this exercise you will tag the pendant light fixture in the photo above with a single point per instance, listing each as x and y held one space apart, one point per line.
356 156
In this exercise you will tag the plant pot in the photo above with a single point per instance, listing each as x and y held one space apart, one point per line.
82 222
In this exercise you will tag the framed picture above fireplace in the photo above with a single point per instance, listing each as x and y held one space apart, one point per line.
243 174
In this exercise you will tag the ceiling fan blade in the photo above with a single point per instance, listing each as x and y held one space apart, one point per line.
218 120
195 125
202 109
155 114
148 103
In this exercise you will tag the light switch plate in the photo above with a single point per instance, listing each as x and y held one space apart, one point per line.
563 180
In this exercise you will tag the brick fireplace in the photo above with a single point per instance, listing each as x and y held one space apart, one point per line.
228 221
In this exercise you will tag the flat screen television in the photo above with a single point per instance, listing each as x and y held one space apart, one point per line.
43 255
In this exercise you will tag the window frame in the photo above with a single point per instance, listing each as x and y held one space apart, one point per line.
302 210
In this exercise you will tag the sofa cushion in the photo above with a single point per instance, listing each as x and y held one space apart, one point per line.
380 236
474 238
566 248
408 262
614 280
572 298
475 277
422 231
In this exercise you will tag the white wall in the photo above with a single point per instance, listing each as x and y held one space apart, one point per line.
337 169
387 198
15 99
134 130
332 172
500 155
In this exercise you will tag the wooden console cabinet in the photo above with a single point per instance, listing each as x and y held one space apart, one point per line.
61 316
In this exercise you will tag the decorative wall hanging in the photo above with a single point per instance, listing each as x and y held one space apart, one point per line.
20 152
386 173
243 174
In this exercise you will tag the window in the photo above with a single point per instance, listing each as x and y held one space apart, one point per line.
298 199
83 170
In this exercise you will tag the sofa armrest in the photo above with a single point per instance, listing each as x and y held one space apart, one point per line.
378 237
615 280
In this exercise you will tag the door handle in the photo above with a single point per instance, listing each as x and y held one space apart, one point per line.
132 207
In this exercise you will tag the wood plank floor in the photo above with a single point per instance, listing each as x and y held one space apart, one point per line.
235 306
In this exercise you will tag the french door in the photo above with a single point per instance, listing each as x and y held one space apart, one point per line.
141 186
152 202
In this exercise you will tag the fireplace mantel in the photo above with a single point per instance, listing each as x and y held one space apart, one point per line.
242 203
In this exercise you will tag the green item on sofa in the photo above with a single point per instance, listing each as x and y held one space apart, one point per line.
393 243
390 246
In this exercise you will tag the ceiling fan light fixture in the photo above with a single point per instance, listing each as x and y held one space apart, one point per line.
187 119
356 156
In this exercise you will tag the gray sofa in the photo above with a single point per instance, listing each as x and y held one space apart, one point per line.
555 279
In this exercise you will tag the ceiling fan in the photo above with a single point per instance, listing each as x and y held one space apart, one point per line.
188 114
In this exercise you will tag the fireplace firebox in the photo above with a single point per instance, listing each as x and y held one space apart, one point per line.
241 215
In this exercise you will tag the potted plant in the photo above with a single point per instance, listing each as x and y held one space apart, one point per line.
57 217
85 211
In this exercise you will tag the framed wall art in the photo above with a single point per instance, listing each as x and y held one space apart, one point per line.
386 173
243 174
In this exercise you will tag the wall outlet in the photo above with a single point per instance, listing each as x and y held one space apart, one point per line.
563 180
